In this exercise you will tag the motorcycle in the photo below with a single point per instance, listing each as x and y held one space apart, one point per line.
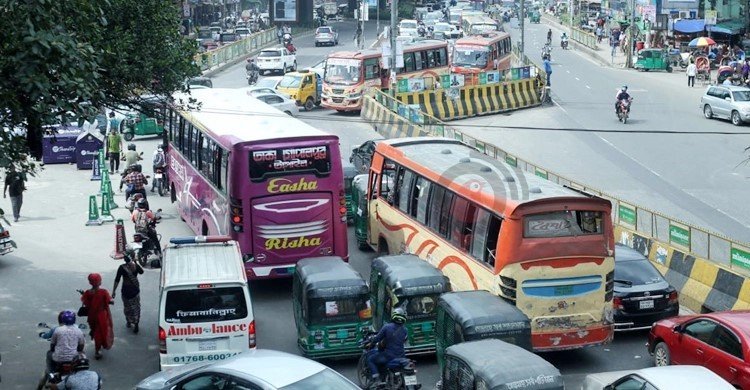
133 201
421 31
547 52
63 369
564 44
252 77
624 110
142 244
401 373
160 181
287 40
6 244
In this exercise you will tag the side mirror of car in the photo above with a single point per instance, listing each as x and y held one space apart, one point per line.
677 329
728 99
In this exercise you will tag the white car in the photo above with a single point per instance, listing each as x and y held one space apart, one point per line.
242 32
657 378
277 59
255 91
408 27
281 103
442 30
257 369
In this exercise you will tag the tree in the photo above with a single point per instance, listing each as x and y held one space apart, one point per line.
75 56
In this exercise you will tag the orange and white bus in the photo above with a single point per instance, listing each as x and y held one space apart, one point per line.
487 225
349 74
477 53
479 24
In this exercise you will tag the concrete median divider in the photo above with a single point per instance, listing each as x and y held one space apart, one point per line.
388 123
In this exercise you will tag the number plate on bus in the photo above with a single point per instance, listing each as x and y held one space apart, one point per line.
410 380
563 290
646 304
208 345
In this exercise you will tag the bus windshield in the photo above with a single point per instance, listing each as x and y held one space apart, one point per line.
342 71
470 56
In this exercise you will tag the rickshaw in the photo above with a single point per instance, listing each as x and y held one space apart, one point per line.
413 284
331 308
496 365
653 59
144 121
534 16
476 315
359 201
349 172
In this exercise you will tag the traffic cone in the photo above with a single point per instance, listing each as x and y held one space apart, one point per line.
120 241
105 180
102 162
112 204
93 212
106 215
96 173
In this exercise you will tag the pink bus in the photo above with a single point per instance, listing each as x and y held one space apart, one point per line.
242 168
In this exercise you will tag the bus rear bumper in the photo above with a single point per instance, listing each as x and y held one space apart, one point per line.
270 272
572 338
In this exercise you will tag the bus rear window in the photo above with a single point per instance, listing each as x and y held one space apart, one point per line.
286 161
339 310
205 305
563 224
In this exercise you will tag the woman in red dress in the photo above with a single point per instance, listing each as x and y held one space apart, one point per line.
97 300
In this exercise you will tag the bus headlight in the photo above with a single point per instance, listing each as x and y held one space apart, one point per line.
355 95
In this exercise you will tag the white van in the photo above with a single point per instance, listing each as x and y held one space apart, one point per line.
205 312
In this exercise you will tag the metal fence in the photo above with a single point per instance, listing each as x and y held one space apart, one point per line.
678 234
234 50
584 37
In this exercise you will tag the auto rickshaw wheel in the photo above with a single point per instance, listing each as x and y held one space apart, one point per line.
669 69
309 104
128 136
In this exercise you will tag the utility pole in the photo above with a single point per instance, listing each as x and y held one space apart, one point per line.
392 37
377 16
629 58
570 13
521 23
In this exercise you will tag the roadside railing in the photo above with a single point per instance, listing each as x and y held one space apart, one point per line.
584 37
697 241
240 48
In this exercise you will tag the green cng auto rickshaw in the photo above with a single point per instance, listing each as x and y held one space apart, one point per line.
496 365
657 59
413 284
146 120
534 16
359 201
476 315
351 207
331 308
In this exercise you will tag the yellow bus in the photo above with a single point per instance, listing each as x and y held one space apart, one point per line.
487 225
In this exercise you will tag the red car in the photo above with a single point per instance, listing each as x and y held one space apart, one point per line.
718 341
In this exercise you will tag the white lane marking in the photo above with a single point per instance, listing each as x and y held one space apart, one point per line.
567 71
588 87
577 79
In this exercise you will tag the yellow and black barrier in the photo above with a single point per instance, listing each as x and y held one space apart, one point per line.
704 285
387 122
477 99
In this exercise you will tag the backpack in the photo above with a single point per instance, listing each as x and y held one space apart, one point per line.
141 221
158 160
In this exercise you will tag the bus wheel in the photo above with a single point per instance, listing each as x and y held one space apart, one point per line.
204 229
172 193
362 245
382 247
309 104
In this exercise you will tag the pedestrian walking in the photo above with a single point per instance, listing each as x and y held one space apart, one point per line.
279 33
131 290
114 147
97 300
15 185
548 69
691 71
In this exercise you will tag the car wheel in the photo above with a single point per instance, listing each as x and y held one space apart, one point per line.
294 66
662 356
707 112
283 69
736 120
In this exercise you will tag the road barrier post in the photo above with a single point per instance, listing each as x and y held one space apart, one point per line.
106 215
120 241
103 186
93 212
112 204
96 173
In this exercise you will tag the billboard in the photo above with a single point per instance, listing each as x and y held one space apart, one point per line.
285 10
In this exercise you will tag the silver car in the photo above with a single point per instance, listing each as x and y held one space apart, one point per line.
657 378
257 369
279 102
727 101
326 35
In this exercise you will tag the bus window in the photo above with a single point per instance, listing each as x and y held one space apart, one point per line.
562 224
419 198
419 62
436 200
409 62
372 69
445 214
462 223
405 182
486 233
206 159
389 178
443 56
186 129
431 61
195 136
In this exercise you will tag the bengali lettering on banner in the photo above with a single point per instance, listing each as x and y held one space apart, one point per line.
627 215
679 235
740 257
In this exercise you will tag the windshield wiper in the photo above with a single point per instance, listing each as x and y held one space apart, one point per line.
627 282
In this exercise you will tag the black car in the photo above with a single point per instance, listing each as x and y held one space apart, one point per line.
642 296
362 156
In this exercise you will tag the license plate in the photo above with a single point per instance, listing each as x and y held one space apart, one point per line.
158 175
646 304
410 380
208 345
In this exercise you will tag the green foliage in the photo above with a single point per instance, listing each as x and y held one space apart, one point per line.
77 55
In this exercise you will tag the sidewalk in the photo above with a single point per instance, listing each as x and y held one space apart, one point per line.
602 55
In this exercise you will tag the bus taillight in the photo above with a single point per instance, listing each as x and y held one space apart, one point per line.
251 335
236 206
342 206
162 340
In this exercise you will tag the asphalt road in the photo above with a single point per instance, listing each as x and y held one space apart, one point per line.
696 174
56 252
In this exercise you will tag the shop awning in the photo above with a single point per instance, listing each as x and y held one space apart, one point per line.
689 26
731 27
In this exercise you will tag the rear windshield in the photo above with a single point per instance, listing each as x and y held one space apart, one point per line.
563 224
205 305
421 306
270 53
324 311
636 272
324 30
323 380
287 161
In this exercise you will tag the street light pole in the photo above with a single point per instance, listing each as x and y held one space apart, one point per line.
377 16
629 58
521 23
392 37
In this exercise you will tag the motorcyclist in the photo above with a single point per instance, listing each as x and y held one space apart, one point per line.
159 162
135 180
549 36
80 379
252 70
287 39
622 94
66 343
144 220
131 157
564 40
393 336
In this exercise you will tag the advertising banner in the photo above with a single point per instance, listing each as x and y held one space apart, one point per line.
60 146
285 10
87 149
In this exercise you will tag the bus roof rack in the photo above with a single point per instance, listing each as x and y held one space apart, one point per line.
198 239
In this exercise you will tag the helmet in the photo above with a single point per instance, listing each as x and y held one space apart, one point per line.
398 316
67 317
160 147
142 204
81 363
624 88
60 317
131 146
